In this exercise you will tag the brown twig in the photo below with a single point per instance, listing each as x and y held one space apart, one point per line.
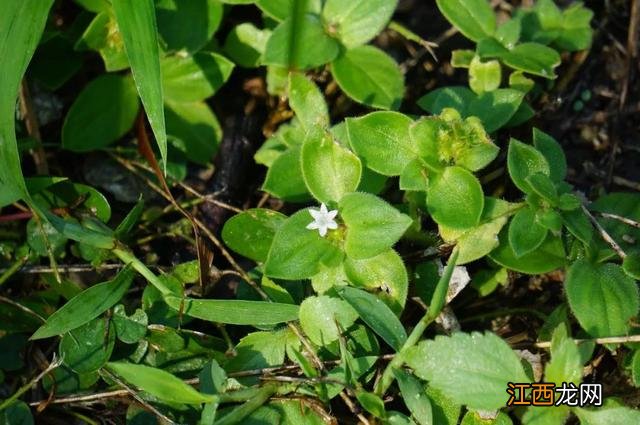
625 220
605 236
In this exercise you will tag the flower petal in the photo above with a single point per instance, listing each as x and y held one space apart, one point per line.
316 214
313 225
332 214
323 231
332 225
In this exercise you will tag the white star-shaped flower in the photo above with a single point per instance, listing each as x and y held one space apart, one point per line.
323 220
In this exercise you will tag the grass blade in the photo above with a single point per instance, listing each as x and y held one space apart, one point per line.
21 25
137 24
86 306
236 312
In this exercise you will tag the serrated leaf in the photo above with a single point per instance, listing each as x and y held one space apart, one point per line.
602 297
86 306
137 24
382 139
318 317
251 232
329 170
455 198
373 226
376 315
159 383
474 18
523 161
235 312
298 252
369 76
471 369
356 22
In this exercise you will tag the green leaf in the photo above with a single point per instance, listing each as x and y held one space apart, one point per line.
484 76
196 129
631 265
372 403
385 273
549 256
318 317
284 178
201 17
21 25
159 383
376 315
553 153
415 397
55 62
455 97
523 161
576 31
479 241
373 226
130 329
193 78
415 176
86 306
102 35
245 44
544 187
307 101
474 18
260 349
455 198
383 141
525 234
534 58
137 24
16 413
602 297
357 22
565 364
235 312
42 237
329 170
550 415
369 76
298 252
300 42
251 232
608 416
88 348
471 369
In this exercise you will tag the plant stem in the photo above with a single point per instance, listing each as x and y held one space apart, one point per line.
6 403
258 399
13 269
127 257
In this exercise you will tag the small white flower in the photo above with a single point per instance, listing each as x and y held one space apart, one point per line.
323 220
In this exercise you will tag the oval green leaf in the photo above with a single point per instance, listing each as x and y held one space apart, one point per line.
455 198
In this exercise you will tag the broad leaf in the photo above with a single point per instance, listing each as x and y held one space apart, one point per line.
329 170
474 18
373 226
195 129
103 112
87 348
298 252
382 139
245 44
525 234
307 101
533 58
201 17
356 22
251 232
471 369
549 256
415 397
553 153
455 198
369 76
602 297
523 161
608 416
319 315
194 78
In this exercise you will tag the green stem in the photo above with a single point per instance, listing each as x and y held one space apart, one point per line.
13 269
9 401
127 257
258 399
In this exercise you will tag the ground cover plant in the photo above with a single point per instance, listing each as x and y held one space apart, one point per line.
319 211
